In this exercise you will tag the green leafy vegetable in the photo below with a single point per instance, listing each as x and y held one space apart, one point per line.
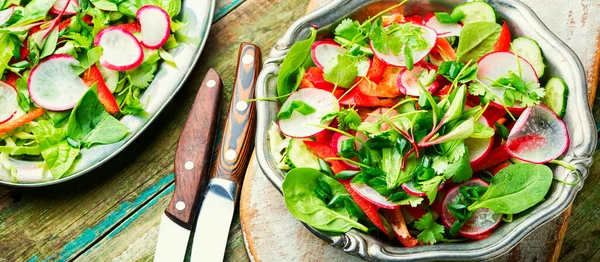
476 40
299 54
455 71
528 93
516 188
305 205
343 71
58 155
299 106
431 231
34 11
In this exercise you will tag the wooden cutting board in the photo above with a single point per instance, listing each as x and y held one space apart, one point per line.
272 234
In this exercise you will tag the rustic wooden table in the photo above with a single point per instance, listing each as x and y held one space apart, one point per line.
113 212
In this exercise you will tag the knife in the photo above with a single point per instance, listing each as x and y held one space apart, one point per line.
216 213
192 159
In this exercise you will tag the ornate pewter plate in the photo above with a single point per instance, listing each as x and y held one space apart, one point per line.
198 14
561 61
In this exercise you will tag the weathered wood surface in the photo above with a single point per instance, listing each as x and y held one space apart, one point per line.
261 202
113 213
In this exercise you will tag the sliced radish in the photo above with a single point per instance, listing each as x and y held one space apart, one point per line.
374 117
430 37
121 49
483 220
410 188
59 5
479 147
54 84
407 80
156 26
6 14
304 125
497 65
538 136
443 30
111 78
373 196
325 52
336 144
8 102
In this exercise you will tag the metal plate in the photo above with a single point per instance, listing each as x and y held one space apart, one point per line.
198 15
561 61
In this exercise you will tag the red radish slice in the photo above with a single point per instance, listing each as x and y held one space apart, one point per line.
336 144
479 147
483 220
54 84
8 102
111 78
538 136
373 117
410 188
156 26
325 52
303 125
59 5
498 64
7 14
398 60
443 30
121 49
373 196
407 80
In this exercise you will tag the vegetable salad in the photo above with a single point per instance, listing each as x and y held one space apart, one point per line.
422 129
70 69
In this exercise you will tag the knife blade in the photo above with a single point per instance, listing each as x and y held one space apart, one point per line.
192 160
218 206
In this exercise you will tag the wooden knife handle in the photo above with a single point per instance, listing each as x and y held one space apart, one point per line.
194 151
238 137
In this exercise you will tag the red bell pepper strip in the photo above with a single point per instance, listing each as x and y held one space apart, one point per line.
417 212
106 97
357 98
324 136
375 72
313 78
324 151
499 167
415 19
387 86
443 50
503 43
11 79
367 207
24 119
495 157
133 27
395 218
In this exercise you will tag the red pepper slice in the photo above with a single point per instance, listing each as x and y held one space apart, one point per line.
106 97
369 209
443 50
357 98
324 136
133 27
417 212
387 86
396 220
24 119
503 43
493 158
376 70
325 151
313 78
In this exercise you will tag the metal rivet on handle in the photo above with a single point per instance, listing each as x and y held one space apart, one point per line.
248 59
230 154
241 106
189 165
180 205
211 83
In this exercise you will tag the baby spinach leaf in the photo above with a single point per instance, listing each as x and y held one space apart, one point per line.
476 40
299 54
516 188
305 205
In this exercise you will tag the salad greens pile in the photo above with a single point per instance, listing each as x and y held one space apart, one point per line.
423 129
65 85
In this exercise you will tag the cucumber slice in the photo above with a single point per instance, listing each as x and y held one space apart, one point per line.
476 12
530 50
299 155
363 49
556 96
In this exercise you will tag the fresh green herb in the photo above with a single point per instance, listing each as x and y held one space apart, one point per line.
343 70
528 93
427 77
482 131
399 38
516 188
305 205
452 18
296 58
476 40
299 106
348 118
456 71
431 232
